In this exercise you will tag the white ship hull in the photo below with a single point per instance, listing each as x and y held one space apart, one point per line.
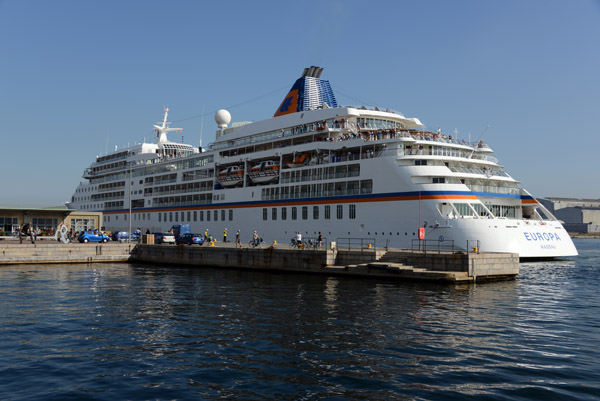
368 177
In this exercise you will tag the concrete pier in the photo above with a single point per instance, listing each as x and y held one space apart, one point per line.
11 252
393 264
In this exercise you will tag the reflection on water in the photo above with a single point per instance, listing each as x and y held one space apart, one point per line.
138 332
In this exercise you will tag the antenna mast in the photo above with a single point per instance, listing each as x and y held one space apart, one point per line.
201 127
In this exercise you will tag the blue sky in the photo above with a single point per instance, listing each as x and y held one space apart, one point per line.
79 77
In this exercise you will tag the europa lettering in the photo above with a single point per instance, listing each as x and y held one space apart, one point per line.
531 236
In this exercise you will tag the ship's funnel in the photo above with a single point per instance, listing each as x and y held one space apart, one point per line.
308 92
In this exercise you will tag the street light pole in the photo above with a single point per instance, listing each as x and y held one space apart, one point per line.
130 193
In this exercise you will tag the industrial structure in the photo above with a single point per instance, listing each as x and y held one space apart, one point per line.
578 215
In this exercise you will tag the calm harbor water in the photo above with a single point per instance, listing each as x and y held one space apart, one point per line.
117 331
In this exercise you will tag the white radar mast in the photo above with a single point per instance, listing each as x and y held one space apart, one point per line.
161 130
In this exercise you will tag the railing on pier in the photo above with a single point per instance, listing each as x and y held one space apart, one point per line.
437 246
430 245
473 245
362 244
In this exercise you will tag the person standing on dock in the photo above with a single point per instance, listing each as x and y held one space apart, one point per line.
237 239
225 235
298 238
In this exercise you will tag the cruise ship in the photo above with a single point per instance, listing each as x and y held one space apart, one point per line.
349 173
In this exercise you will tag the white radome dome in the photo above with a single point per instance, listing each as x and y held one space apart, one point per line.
222 118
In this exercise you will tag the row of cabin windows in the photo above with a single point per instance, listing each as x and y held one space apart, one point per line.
183 216
196 215
304 212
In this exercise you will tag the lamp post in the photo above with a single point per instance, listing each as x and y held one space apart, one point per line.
130 194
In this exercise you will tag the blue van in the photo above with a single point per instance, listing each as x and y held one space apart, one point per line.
180 229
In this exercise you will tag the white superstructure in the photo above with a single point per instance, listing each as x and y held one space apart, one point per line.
346 172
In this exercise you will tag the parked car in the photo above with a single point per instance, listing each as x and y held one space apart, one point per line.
164 238
190 239
123 236
93 236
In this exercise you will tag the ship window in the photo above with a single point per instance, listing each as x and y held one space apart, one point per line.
222 215
274 213
208 215
463 209
189 216
327 212
216 215
230 215
294 213
340 212
480 209
366 186
283 213
420 162
438 180
352 211
264 213
201 215
352 187
304 212
159 218
171 216
315 212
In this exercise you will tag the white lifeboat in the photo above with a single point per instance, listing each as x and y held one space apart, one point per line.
265 171
231 176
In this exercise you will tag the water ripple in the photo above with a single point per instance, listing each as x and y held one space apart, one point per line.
120 331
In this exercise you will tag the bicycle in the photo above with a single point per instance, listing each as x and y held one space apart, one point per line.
294 243
313 243
255 242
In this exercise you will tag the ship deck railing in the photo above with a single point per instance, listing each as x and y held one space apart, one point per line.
342 128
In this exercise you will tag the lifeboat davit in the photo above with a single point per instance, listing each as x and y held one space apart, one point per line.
231 176
264 172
